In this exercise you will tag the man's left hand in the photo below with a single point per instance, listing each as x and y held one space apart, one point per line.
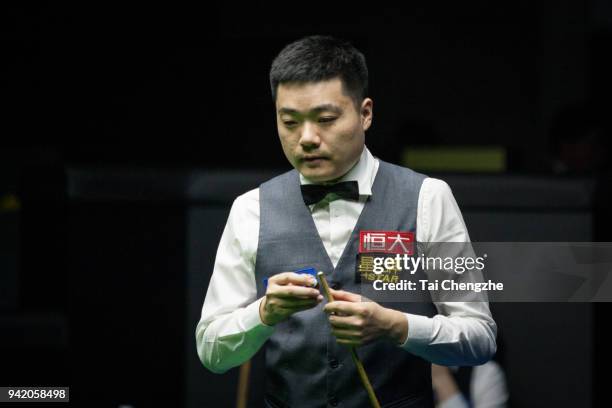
355 322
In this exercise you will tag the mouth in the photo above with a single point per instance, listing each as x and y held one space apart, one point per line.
313 158
313 161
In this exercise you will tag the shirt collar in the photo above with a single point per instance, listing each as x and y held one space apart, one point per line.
363 172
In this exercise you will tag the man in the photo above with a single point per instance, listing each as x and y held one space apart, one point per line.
319 86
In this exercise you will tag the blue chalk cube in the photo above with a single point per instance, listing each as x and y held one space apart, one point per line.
309 271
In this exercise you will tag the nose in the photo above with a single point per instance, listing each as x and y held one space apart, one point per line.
310 136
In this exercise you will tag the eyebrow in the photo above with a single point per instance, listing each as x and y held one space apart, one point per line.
316 109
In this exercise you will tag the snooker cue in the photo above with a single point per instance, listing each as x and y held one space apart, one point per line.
243 385
362 373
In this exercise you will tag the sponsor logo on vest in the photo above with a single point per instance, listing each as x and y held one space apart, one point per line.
389 242
376 246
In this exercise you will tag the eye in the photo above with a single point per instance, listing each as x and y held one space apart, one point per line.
290 123
327 119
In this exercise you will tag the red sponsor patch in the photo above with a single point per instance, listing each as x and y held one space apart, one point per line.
391 242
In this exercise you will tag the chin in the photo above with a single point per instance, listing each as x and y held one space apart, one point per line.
317 176
321 178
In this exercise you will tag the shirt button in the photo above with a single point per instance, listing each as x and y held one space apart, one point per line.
333 363
333 401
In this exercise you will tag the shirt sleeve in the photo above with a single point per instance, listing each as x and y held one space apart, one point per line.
230 330
456 401
462 333
488 386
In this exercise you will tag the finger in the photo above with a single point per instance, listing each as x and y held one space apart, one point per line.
347 334
352 343
341 307
292 278
295 302
290 291
345 322
346 296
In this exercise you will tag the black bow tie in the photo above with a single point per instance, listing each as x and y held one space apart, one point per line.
313 193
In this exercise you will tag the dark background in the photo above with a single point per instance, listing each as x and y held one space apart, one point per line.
128 129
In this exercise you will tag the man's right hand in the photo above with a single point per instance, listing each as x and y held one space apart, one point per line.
288 293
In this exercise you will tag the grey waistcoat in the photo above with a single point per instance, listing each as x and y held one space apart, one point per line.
305 367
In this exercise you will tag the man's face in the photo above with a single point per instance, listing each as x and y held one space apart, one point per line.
320 128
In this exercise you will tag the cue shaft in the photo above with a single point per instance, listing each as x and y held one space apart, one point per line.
243 385
360 369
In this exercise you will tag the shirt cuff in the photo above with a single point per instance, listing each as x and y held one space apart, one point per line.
419 331
252 319
456 401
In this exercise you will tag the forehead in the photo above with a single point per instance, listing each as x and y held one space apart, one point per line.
305 96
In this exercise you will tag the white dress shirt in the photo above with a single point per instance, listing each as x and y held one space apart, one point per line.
488 389
230 330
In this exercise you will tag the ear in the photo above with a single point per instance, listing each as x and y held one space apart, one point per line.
366 113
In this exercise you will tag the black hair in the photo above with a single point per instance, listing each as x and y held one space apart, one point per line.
320 58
